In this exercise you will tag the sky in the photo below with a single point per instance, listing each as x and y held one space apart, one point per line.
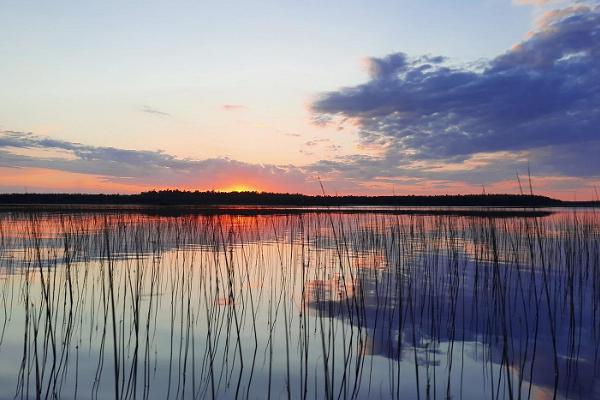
379 97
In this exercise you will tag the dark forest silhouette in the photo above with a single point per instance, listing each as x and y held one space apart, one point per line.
178 197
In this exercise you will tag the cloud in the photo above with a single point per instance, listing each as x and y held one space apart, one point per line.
540 99
233 107
531 2
316 142
143 167
151 110
45 164
424 126
552 16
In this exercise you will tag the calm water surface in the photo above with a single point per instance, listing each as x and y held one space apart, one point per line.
109 304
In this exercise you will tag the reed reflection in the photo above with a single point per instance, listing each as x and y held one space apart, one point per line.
128 305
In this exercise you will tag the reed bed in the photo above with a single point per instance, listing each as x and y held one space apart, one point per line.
337 306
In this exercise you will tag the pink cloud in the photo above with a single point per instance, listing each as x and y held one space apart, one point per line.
233 107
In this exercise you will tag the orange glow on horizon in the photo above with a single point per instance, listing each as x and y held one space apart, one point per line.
50 180
240 187
35 179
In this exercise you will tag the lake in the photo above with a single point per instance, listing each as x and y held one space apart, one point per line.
152 303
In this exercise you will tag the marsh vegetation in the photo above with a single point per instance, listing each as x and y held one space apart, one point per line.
129 305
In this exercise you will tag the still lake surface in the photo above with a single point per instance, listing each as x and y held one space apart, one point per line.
453 303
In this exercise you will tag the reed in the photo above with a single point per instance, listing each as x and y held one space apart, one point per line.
308 305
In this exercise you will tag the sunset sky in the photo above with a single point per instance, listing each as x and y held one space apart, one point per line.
405 97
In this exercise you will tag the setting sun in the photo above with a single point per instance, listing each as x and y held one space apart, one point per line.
239 187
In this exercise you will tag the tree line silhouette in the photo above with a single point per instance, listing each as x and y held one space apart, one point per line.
180 197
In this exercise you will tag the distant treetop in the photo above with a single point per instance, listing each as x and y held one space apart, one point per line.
179 197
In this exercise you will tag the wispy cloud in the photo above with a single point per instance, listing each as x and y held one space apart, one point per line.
531 2
133 170
142 167
152 110
233 107
316 142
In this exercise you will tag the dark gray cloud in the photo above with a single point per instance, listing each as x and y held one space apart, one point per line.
541 97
